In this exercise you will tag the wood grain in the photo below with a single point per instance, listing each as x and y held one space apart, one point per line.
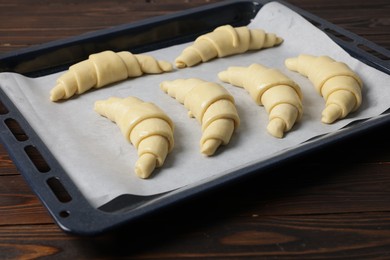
329 204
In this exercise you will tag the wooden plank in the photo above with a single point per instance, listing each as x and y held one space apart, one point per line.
18 204
65 19
7 167
224 237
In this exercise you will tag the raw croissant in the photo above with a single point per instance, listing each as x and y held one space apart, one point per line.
211 104
335 81
104 68
225 41
281 97
143 124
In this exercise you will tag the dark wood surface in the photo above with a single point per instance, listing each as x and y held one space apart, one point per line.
332 204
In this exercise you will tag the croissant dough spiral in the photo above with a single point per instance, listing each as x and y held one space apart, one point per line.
225 41
211 104
143 124
334 81
281 97
104 68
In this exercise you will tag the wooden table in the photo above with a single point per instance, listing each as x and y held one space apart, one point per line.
334 203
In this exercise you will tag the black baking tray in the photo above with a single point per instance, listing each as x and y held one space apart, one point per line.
50 182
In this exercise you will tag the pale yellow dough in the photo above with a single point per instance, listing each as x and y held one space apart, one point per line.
143 124
281 97
334 81
225 41
104 68
211 104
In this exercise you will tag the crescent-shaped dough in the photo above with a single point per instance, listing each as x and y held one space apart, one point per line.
281 97
211 104
143 124
225 41
334 81
104 68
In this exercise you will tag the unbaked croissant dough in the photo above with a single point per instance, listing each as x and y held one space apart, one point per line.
143 124
281 96
225 41
335 81
104 68
211 104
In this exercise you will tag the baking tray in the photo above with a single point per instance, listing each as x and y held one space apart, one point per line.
70 210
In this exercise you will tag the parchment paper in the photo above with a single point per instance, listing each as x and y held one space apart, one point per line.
101 162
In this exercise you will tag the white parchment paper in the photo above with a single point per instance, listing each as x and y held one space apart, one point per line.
101 162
